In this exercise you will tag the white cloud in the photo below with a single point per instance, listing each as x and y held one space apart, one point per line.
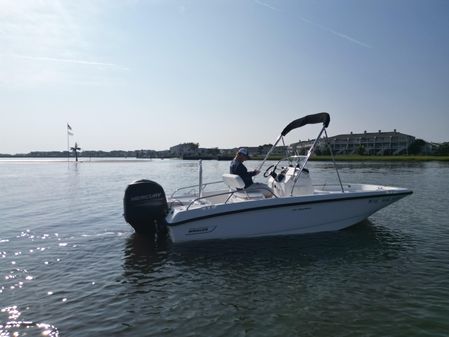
74 61
55 35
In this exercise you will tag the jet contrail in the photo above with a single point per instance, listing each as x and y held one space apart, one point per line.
320 26
332 31
267 5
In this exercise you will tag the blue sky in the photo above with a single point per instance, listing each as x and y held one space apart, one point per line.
151 74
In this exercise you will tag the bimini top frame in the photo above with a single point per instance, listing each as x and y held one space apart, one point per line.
322 117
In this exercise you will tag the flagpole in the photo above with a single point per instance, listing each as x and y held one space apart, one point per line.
68 144
69 133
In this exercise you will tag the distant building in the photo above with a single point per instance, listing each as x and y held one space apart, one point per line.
185 149
146 154
430 148
262 150
228 153
257 151
209 152
369 143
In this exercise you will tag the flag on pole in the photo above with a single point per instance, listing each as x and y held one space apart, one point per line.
69 130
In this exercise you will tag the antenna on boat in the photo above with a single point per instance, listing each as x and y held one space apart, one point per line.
333 159
200 178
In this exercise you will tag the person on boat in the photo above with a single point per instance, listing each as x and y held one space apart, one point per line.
237 167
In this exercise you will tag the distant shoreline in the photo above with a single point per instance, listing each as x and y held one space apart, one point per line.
403 158
355 158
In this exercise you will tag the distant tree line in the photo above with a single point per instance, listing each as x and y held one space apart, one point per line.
63 154
443 149
418 147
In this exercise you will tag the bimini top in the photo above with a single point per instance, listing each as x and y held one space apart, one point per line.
322 117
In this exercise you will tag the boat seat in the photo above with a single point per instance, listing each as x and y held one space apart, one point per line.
233 181
236 185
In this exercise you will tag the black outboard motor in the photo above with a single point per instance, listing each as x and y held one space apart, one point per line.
145 208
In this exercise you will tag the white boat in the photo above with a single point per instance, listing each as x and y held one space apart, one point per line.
290 203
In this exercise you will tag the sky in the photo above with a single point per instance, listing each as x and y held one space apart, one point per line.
130 74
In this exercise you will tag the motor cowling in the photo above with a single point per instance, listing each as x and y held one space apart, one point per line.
145 207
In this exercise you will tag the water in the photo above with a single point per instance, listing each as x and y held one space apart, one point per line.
71 266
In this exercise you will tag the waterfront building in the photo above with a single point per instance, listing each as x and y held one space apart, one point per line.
193 151
368 143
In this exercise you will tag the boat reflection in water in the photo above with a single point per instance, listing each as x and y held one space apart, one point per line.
145 258
232 284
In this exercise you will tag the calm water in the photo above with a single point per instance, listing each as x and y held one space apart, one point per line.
71 266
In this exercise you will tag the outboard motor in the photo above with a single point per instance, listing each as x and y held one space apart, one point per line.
145 207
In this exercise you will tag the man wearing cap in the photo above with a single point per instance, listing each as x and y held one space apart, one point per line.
238 168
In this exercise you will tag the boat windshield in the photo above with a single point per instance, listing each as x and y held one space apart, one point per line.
292 161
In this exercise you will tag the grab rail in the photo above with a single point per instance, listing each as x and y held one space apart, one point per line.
195 186
231 193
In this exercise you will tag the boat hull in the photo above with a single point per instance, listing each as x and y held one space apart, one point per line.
280 216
